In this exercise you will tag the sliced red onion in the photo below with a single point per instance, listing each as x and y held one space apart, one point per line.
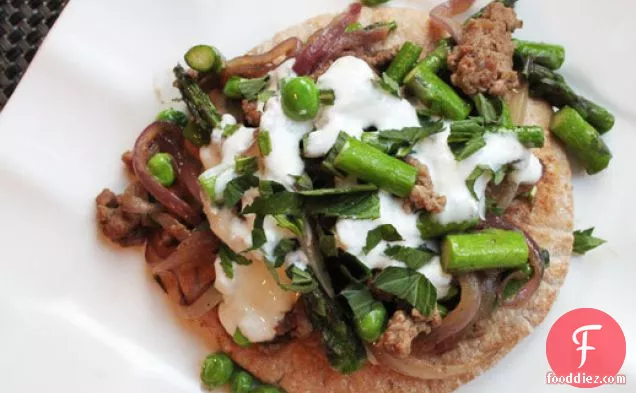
134 200
321 46
171 225
253 66
197 248
419 368
148 144
204 304
442 16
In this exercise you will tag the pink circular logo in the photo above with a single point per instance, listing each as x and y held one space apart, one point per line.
585 346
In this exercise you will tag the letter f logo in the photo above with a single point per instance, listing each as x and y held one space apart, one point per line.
583 344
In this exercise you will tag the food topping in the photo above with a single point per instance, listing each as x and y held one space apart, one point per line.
482 62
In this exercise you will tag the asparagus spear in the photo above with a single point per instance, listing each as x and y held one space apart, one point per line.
548 55
569 126
437 95
345 351
436 60
403 62
488 249
552 87
199 103
463 131
370 164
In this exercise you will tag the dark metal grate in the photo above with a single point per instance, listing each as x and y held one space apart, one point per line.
23 26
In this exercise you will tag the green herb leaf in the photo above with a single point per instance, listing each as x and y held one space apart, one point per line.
584 241
265 95
303 182
302 280
359 299
269 187
389 85
279 203
469 148
230 129
386 232
485 108
245 165
292 223
283 248
493 208
474 175
353 268
208 185
413 258
361 205
251 87
228 257
258 234
408 285
339 191
264 142
392 25
399 142
237 187
464 130
500 175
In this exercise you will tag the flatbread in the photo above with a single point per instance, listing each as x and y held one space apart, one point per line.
301 366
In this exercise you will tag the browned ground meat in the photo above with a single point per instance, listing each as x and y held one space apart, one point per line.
482 63
117 225
403 328
252 114
423 196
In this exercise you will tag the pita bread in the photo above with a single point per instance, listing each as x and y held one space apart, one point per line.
300 365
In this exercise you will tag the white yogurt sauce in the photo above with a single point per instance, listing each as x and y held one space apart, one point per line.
352 235
284 161
359 104
221 164
449 176
252 300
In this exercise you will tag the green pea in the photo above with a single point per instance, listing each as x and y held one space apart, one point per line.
173 116
240 339
242 382
232 89
300 98
204 58
371 326
160 166
266 389
216 370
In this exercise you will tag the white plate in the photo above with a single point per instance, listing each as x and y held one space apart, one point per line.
77 314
